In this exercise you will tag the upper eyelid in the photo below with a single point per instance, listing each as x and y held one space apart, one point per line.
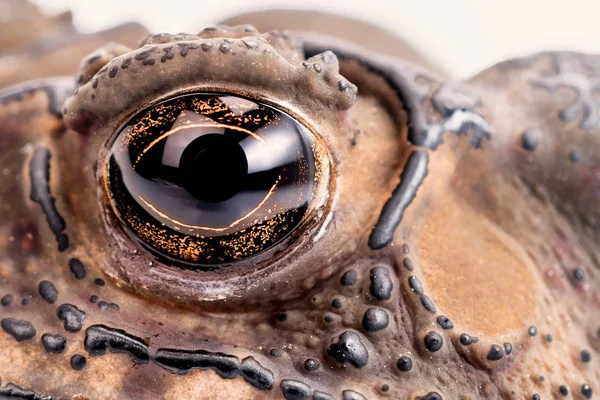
256 72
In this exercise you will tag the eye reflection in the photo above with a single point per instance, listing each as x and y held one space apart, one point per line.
211 179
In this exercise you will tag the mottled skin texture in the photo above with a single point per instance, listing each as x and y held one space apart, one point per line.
501 237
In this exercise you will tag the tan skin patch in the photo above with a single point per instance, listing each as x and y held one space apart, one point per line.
472 271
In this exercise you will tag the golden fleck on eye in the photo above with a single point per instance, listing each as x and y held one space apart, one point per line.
207 179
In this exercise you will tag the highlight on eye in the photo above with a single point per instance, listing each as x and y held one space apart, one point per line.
209 179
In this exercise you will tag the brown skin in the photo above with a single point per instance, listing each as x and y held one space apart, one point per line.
501 238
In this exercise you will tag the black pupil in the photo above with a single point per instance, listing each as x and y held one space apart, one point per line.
214 168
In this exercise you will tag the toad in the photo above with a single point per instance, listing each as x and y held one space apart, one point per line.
250 213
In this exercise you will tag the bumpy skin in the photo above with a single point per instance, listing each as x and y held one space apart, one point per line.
488 287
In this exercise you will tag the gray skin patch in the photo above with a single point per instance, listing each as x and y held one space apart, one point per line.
585 86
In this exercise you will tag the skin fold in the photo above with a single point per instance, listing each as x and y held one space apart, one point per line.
450 252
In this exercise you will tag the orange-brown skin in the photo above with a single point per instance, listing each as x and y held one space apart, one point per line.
501 238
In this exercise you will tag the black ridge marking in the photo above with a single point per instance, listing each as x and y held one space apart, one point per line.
54 344
48 291
311 364
411 178
169 54
532 331
375 319
317 395
255 374
99 338
508 348
20 330
408 264
25 301
433 341
349 348
57 90
349 278
328 318
336 303
352 395
72 317
536 397
405 249
14 392
144 56
78 362
415 284
224 365
496 353
99 282
183 361
586 391
574 156
113 71
563 390
77 268
428 304
549 338
186 47
467 340
586 357
102 305
93 299
7 300
444 322
39 174
381 283
529 140
404 364
294 390
385 387
431 396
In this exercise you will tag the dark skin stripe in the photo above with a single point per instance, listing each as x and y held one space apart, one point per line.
411 178
39 174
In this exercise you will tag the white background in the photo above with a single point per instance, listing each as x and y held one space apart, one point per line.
462 35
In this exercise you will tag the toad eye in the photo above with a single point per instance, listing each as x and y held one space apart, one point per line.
208 179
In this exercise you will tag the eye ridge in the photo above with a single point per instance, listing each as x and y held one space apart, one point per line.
277 164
